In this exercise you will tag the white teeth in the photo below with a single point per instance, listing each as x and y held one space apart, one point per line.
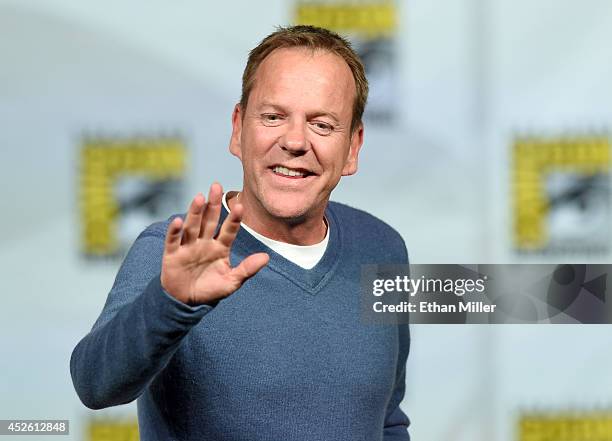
287 172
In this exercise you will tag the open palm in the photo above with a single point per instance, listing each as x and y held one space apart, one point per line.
195 266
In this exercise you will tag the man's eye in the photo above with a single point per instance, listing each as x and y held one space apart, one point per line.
322 128
271 118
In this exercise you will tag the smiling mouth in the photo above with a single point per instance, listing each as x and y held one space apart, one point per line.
291 172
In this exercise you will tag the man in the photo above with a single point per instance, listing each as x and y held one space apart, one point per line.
254 333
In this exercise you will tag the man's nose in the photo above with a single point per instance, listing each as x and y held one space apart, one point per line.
294 139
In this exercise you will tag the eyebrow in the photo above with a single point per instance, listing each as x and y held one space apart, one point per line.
272 105
312 114
332 115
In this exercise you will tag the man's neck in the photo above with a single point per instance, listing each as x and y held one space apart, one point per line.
309 231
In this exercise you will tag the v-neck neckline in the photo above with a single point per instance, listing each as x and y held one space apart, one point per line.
310 280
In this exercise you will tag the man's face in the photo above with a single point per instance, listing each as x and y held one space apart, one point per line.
294 139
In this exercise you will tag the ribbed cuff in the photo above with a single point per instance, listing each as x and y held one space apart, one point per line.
172 310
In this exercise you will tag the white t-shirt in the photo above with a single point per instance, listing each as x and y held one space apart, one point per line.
306 256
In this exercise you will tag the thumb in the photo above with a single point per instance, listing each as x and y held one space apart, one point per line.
249 267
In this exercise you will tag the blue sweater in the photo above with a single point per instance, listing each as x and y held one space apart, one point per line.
284 358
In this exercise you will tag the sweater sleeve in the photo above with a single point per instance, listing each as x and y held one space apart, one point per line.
396 421
140 328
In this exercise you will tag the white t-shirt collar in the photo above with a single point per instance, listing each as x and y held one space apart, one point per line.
306 256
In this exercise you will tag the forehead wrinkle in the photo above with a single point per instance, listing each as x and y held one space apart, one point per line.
313 104
294 74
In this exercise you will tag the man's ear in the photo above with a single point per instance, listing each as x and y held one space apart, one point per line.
234 146
350 166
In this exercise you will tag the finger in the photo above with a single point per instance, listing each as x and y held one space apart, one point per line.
212 212
173 235
249 267
230 226
191 228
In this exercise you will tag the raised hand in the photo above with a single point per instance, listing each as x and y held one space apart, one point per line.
195 265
